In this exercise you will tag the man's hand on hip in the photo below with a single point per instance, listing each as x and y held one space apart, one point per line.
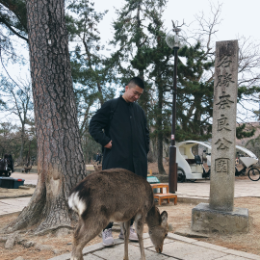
108 145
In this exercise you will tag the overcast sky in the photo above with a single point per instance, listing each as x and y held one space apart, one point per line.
239 17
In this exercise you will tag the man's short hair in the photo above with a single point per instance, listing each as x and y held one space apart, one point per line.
136 81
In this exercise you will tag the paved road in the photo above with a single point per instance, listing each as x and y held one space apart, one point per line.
9 206
243 188
30 178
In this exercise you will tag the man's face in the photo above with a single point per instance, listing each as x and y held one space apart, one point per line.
132 94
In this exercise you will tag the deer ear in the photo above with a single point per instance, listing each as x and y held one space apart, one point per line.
164 217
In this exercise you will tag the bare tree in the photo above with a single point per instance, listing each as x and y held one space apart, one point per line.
249 62
5 135
19 102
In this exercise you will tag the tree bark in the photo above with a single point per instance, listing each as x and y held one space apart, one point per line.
60 156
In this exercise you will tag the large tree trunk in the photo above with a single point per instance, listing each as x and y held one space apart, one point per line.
60 156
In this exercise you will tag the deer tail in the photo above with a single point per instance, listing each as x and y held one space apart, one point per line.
76 203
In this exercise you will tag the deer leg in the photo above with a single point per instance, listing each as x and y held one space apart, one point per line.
85 231
139 226
125 226
76 249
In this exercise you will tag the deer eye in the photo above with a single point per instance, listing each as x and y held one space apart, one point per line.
166 234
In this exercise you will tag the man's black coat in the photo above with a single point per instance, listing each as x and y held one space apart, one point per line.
125 124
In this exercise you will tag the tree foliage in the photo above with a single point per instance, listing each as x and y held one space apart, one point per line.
92 75
13 22
10 141
195 94
254 145
242 132
89 66
13 17
131 39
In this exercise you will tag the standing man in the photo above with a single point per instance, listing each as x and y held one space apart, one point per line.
120 127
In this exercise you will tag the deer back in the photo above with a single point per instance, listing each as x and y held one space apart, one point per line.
117 193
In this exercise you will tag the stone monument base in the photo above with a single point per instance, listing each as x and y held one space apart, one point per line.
205 219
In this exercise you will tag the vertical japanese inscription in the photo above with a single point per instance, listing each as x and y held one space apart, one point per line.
224 125
222 165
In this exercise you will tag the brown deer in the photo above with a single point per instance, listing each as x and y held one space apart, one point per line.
116 195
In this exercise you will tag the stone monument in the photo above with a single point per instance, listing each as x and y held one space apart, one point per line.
220 215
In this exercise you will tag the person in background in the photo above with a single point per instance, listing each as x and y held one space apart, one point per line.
97 157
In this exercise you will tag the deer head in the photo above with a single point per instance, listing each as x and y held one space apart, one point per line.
158 227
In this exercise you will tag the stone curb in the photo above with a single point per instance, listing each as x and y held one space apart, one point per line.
213 247
242 254
192 200
246 197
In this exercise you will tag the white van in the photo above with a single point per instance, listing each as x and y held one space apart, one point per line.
191 167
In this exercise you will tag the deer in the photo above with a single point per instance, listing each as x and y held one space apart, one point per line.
116 195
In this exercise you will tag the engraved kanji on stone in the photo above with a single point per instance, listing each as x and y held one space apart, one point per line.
223 144
223 124
225 61
224 80
222 165
224 101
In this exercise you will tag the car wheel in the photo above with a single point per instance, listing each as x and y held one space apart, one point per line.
181 175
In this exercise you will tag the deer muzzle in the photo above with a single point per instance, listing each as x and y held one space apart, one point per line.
159 249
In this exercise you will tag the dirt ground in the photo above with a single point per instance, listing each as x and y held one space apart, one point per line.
179 218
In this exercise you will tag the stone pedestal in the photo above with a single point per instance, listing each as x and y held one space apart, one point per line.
205 219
